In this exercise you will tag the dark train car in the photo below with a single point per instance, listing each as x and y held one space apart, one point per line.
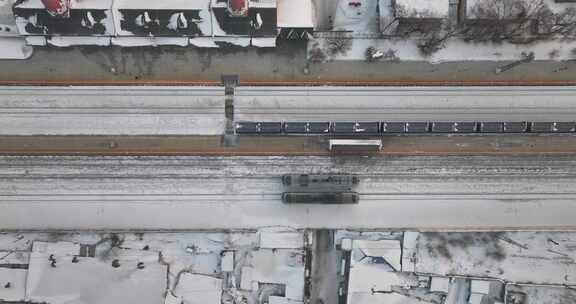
393 127
296 127
340 198
417 127
454 127
270 127
491 127
318 127
552 127
356 128
246 127
515 127
314 180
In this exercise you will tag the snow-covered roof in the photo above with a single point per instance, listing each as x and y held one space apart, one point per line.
279 267
295 14
476 298
372 298
75 4
198 289
365 277
441 284
480 286
281 300
16 278
162 5
370 282
263 3
227 261
389 250
422 8
283 240
87 280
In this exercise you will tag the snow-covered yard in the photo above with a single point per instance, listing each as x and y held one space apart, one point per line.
357 29
455 50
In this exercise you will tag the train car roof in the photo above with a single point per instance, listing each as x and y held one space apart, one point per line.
75 4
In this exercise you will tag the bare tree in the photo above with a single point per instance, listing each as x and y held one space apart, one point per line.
514 21
316 54
338 45
517 21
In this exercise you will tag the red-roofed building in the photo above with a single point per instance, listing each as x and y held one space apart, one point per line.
58 8
238 8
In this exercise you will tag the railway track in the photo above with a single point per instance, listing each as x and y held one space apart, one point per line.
215 192
423 145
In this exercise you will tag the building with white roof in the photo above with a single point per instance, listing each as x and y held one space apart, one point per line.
58 275
198 289
296 19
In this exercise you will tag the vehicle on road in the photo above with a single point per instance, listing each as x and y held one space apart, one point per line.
339 198
314 180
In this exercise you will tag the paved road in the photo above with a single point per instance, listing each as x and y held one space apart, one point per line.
200 110
244 192
325 282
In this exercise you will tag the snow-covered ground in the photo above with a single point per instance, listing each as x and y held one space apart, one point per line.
362 23
454 50
14 48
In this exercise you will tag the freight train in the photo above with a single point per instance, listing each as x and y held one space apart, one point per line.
380 127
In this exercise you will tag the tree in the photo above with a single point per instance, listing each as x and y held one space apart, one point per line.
338 45
517 21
